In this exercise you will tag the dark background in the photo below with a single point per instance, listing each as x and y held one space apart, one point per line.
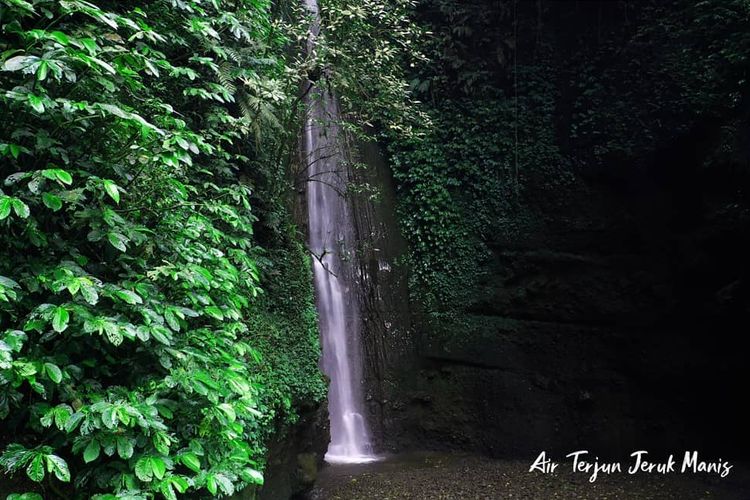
596 296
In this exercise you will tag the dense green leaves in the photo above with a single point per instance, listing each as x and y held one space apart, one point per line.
361 35
129 267
36 462
526 103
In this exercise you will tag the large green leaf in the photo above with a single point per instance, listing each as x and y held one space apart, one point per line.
58 467
144 469
20 208
124 447
158 467
252 476
60 318
129 296
53 372
118 241
35 469
112 190
191 461
6 204
91 452
36 102
52 201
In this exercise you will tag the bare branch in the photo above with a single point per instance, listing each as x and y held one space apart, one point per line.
319 258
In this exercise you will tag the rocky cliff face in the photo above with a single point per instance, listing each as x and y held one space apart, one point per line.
295 455
610 308
390 348
606 181
611 319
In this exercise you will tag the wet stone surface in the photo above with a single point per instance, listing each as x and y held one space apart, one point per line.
428 476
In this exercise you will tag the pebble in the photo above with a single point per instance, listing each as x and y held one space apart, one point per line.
440 476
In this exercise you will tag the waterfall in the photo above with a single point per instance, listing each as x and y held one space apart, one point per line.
331 239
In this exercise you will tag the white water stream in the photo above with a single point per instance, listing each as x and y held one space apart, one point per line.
332 241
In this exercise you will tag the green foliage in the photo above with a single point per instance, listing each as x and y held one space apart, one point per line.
35 462
459 182
286 325
365 47
525 98
471 47
696 71
128 264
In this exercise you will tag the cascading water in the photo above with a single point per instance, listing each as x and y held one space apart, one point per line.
331 234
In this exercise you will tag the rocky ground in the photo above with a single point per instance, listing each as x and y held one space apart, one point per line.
431 476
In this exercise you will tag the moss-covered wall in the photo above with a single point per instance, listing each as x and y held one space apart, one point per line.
285 323
578 220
